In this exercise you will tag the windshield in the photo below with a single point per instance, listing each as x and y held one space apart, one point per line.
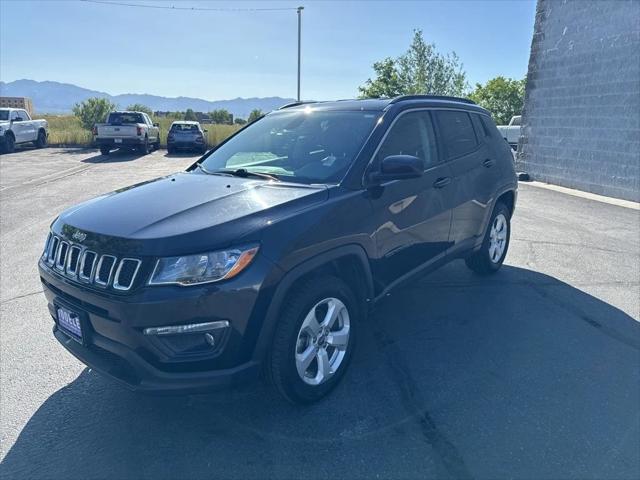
184 127
124 118
4 114
297 146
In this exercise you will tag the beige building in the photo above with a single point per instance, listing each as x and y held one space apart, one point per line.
17 102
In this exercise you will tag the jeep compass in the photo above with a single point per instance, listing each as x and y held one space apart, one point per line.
267 254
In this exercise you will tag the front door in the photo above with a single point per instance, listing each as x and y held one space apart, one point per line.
413 217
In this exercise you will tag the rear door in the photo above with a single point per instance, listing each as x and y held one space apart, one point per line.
29 128
412 217
470 160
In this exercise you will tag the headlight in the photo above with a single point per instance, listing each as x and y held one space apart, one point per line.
203 267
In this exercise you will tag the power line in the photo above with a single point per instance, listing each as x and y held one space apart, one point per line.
208 9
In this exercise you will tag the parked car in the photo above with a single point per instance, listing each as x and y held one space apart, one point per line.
186 135
268 253
17 128
511 132
133 130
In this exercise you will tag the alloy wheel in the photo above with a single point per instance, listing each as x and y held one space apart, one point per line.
322 341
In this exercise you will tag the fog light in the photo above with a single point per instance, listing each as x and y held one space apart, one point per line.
210 339
189 328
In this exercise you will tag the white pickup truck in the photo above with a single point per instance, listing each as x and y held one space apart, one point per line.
511 132
133 130
16 127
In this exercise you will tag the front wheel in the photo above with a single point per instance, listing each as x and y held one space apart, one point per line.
314 339
9 144
104 150
494 247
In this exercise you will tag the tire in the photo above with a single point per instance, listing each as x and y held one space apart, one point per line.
489 258
41 141
143 149
9 144
296 334
104 150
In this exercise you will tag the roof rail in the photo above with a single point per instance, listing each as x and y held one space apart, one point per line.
401 98
295 104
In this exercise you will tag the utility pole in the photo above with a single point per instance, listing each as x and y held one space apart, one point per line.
299 46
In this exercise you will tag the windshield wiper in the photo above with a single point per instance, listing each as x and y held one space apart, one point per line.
244 173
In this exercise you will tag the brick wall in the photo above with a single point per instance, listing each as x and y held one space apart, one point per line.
581 120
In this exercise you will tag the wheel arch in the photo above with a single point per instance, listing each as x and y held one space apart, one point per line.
349 262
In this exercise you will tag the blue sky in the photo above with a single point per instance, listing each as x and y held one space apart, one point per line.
228 54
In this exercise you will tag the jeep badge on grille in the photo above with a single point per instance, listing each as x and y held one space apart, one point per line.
79 236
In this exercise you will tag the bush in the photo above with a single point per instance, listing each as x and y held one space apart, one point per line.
93 110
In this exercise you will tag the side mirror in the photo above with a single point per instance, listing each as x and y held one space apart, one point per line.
205 130
398 167
17 119
156 124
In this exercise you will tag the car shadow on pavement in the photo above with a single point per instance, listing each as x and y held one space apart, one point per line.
116 156
184 154
455 376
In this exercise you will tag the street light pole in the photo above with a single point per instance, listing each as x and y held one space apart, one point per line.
299 46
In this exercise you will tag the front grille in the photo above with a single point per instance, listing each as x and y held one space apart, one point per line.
73 260
126 273
87 264
90 267
104 270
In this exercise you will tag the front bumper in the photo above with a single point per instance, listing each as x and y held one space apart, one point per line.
115 345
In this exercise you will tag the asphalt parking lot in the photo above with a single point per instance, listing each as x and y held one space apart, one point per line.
532 373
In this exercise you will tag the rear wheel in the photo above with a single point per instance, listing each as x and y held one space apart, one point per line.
144 147
104 150
494 247
314 339
41 141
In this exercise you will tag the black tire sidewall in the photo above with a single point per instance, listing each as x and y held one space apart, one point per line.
500 208
291 385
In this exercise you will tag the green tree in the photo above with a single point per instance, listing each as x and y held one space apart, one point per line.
239 121
421 70
503 97
138 107
190 115
221 116
93 110
255 114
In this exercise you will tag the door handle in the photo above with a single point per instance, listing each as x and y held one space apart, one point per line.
442 182
488 162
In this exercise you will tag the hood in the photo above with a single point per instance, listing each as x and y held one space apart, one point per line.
185 212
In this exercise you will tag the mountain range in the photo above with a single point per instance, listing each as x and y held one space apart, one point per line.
56 97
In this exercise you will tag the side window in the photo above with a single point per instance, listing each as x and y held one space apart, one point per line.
481 130
25 115
490 127
15 115
411 134
456 130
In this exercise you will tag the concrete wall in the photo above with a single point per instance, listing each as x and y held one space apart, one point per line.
581 120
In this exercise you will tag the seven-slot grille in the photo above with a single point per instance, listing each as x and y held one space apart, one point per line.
88 266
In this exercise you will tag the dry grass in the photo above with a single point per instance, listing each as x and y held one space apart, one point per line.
66 130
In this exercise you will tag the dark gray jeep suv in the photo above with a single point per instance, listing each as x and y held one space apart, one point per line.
267 254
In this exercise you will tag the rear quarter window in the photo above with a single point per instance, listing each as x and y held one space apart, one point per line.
456 132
